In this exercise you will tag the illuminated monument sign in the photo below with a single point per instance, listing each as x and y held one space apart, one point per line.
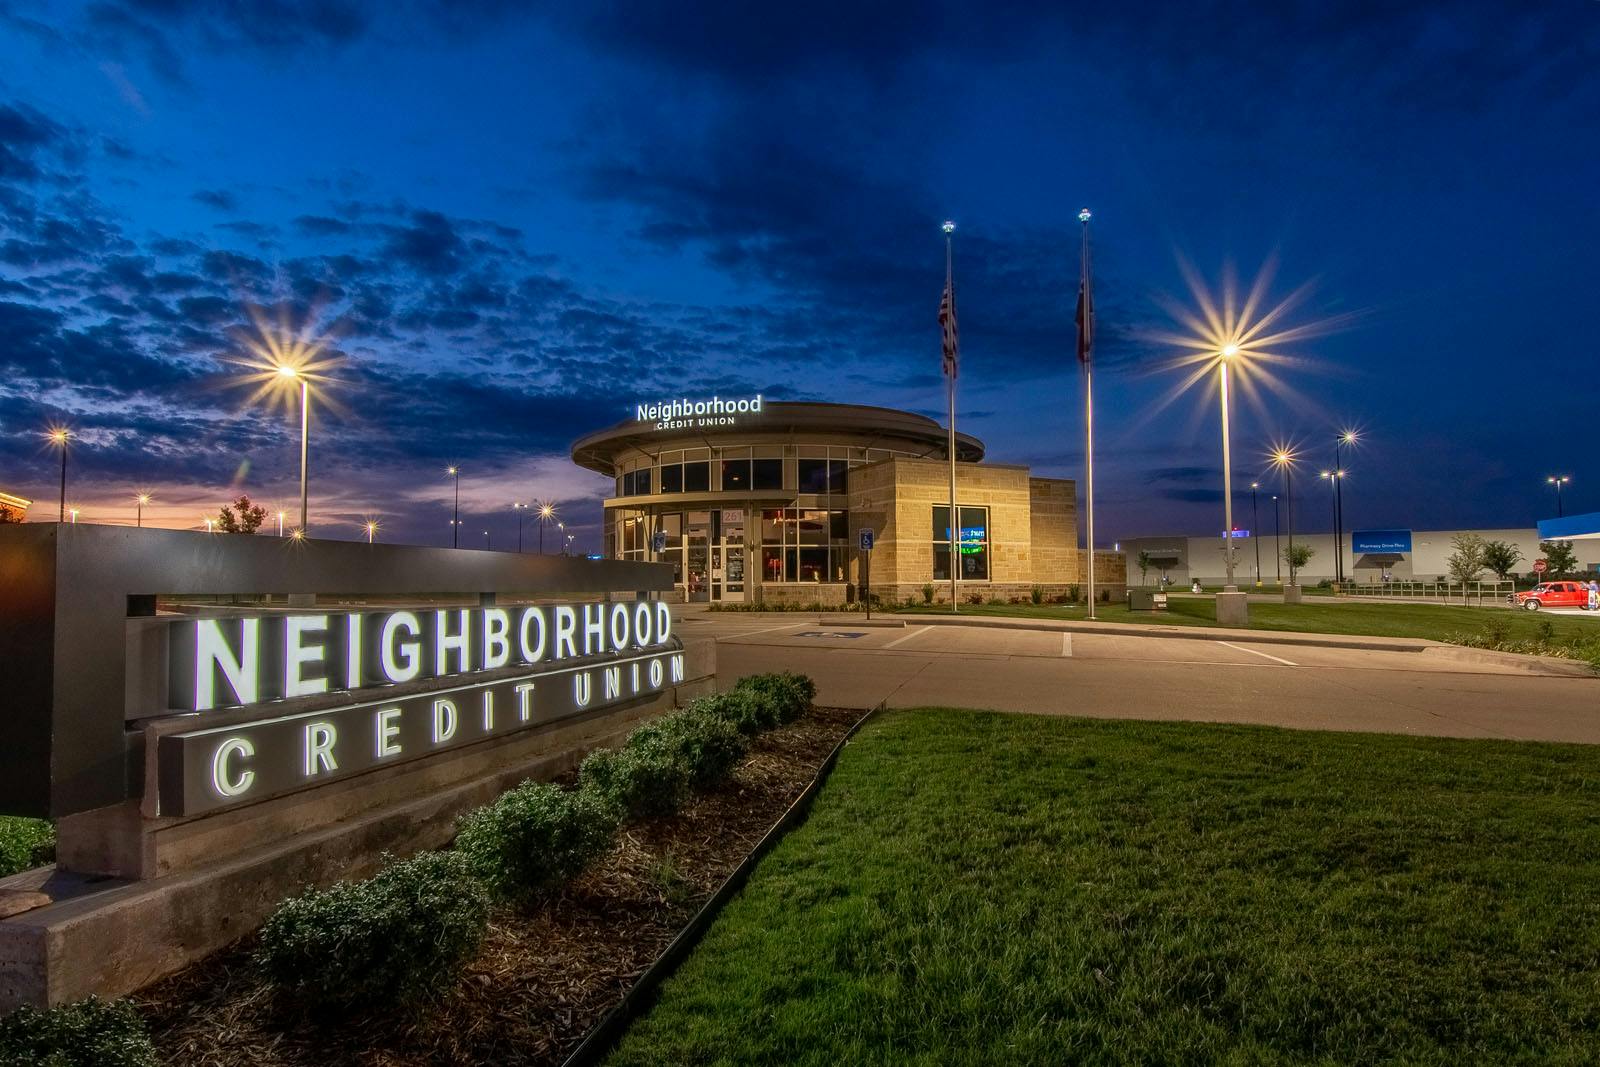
518 668
697 414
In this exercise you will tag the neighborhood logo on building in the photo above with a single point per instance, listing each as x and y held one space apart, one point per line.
697 414
533 665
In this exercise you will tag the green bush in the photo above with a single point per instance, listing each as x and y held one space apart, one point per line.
533 838
25 844
708 744
1037 594
394 937
749 711
790 694
927 592
87 1033
637 781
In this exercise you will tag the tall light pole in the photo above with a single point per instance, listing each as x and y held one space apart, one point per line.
139 502
1284 460
372 530
280 522
1227 353
561 530
1345 437
488 546
1334 477
59 436
455 515
519 509
1255 528
1277 545
1557 480
292 374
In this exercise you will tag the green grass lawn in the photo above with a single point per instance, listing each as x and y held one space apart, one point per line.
1435 621
974 888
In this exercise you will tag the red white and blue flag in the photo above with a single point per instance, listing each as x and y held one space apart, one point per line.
947 322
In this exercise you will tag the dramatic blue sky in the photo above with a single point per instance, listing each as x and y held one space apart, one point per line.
514 222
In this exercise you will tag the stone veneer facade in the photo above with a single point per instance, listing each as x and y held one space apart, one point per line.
1033 530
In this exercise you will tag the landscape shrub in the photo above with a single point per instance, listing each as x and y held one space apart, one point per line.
636 781
1038 594
86 1033
709 745
25 844
974 598
788 693
927 592
744 707
533 838
1072 592
395 937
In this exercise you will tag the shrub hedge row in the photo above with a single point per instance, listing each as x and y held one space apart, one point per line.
88 1033
25 844
405 932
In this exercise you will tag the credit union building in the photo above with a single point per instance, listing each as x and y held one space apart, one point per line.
761 501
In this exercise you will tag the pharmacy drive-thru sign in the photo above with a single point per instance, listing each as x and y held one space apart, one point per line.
516 668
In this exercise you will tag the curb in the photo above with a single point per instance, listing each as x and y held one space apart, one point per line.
1191 633
602 1038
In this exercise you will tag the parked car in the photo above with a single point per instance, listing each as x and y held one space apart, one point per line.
1552 595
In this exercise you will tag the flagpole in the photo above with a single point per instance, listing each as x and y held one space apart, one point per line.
950 389
1088 403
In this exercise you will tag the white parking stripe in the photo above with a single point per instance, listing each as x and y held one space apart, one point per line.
907 637
1263 655
1066 644
768 630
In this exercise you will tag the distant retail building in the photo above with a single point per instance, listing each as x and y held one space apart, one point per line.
1369 555
758 501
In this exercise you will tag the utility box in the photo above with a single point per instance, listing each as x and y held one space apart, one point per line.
1146 600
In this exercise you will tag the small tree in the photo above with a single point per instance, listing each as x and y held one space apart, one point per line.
1143 561
1297 556
1501 557
9 514
1560 557
1467 561
241 517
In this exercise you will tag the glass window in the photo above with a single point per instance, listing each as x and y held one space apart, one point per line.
837 470
735 475
839 525
697 477
813 475
812 564
772 563
766 474
636 483
672 478
973 543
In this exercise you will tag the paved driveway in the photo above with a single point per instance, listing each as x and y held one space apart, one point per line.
1446 692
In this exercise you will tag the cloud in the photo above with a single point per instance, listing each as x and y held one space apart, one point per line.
221 199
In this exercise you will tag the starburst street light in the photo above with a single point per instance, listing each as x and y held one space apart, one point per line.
547 511
284 361
372 526
59 436
139 502
1243 340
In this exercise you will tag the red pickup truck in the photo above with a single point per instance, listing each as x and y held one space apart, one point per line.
1553 595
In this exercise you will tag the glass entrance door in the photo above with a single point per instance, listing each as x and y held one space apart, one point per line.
698 564
730 577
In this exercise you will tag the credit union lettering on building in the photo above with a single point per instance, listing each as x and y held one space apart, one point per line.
453 677
697 414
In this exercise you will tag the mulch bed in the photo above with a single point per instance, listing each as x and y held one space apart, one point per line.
545 977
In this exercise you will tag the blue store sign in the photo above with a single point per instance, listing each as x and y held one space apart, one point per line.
1380 541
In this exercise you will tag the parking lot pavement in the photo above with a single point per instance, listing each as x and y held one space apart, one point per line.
1200 679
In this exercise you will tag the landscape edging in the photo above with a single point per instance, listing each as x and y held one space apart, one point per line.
603 1036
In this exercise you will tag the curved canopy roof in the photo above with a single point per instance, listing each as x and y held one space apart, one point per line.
874 427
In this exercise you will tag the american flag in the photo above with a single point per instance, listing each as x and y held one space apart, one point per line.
947 321
1085 317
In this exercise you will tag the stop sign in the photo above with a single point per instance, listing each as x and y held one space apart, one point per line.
1540 566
